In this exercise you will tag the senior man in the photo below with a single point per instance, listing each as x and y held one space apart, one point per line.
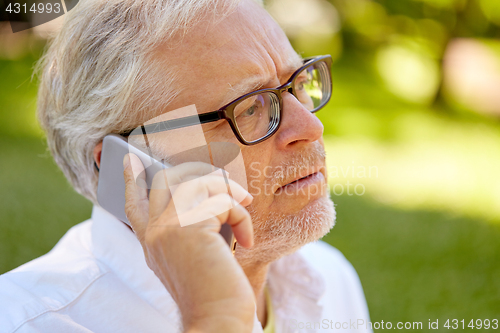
113 66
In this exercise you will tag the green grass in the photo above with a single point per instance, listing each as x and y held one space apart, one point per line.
419 265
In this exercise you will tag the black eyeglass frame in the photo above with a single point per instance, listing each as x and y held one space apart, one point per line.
227 111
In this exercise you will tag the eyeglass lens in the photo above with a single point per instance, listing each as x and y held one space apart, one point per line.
258 115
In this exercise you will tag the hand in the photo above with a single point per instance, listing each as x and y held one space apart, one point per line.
194 262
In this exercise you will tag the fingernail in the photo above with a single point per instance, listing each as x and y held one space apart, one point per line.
126 161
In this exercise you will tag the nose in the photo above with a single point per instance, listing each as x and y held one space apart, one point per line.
298 125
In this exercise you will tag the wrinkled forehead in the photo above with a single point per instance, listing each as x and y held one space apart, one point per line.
237 53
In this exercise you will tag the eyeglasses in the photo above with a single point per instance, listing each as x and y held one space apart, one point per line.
256 116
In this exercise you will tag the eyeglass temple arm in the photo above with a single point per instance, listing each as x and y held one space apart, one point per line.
177 123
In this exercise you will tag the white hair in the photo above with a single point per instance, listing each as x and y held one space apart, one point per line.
98 76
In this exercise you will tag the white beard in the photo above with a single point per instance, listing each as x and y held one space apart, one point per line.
277 234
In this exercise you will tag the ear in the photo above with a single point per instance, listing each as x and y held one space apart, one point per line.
97 154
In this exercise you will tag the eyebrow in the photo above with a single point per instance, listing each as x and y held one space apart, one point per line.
255 82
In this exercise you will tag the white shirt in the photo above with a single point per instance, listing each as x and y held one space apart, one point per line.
96 280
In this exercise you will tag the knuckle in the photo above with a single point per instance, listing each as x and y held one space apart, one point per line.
220 199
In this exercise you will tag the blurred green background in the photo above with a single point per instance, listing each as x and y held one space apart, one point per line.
413 143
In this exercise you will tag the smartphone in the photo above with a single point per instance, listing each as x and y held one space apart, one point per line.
111 185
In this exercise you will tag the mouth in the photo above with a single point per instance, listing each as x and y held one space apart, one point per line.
303 178
311 177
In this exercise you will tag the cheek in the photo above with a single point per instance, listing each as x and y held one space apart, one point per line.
257 164
219 132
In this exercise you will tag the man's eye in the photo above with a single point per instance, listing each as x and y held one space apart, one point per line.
302 81
250 111
257 105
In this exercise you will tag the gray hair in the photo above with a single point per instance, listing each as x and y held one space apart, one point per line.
98 77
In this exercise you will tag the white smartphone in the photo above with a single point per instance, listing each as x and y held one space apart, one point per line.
111 186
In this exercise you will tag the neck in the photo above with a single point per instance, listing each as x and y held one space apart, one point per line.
257 275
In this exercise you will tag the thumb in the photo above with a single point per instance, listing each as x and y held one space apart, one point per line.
136 196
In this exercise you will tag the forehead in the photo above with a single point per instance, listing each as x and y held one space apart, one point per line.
218 61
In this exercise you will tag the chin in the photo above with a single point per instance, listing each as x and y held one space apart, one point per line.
277 234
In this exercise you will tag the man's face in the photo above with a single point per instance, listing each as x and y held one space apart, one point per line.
221 61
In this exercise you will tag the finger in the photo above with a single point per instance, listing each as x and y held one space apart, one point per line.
189 194
185 171
136 196
166 180
159 195
241 223
220 209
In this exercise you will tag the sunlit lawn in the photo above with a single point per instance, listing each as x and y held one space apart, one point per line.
423 236
417 265
410 156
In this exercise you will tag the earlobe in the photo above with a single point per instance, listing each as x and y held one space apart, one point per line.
97 155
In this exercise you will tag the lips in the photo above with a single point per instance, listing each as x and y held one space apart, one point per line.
297 180
302 177
303 186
